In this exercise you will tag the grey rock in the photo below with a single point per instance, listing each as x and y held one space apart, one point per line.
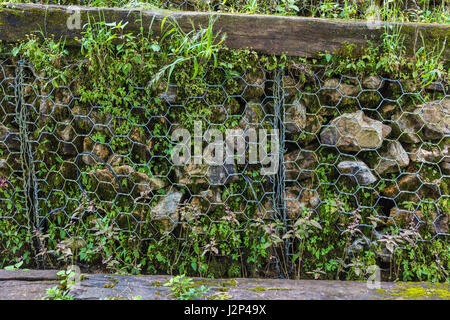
253 115
408 126
295 119
336 90
432 118
82 121
436 117
3 164
97 149
300 164
293 206
423 155
394 158
205 174
170 95
106 181
372 82
146 184
291 87
358 170
441 222
99 286
45 107
298 199
9 138
207 200
353 131
445 166
435 87
253 85
166 210
220 175
67 135
26 284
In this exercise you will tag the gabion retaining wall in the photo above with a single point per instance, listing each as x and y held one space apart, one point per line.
363 167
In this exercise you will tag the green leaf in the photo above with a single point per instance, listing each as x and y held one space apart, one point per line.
195 68
155 47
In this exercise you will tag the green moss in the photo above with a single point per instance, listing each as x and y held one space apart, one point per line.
219 296
228 283
18 13
412 291
257 289
112 283
157 284
115 298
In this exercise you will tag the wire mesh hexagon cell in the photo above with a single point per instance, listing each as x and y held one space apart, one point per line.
362 163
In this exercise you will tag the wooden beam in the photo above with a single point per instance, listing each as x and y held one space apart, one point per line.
294 36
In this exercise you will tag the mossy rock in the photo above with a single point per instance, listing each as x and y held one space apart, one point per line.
417 291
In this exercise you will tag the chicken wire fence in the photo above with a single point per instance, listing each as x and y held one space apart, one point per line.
365 158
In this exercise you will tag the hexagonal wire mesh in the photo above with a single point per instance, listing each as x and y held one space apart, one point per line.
368 153
15 194
362 160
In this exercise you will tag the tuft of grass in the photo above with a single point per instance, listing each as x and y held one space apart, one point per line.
196 46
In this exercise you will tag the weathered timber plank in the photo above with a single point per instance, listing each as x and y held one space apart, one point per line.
294 36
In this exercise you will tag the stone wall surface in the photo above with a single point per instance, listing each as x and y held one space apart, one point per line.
357 152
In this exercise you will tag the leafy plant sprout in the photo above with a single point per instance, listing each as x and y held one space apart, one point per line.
199 46
184 288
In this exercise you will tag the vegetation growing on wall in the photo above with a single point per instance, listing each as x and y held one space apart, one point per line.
101 158
427 11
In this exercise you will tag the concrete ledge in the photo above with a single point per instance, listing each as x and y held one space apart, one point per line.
28 275
18 285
